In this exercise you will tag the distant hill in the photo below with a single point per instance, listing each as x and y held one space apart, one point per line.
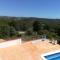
27 18
6 19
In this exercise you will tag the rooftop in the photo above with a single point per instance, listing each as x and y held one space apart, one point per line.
27 51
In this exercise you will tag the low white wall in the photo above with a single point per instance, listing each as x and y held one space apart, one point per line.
10 43
38 40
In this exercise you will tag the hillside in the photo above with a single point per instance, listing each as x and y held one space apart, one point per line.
10 25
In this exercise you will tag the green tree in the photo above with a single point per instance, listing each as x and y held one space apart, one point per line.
52 36
36 26
4 31
42 32
12 31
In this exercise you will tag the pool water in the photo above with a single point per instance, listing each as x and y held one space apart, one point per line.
55 56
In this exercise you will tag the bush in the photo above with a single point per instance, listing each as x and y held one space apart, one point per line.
4 31
29 32
12 31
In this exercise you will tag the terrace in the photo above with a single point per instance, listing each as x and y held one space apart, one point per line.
26 51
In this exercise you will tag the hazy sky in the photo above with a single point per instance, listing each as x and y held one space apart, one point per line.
30 8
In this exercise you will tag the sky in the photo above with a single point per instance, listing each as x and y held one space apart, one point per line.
30 8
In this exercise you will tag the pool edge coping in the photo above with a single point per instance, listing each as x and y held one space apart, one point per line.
49 53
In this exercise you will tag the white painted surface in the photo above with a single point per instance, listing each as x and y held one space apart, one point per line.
50 53
38 40
10 43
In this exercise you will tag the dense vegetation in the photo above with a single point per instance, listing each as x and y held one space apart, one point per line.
9 26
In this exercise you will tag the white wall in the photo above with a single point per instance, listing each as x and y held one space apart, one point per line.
10 43
38 40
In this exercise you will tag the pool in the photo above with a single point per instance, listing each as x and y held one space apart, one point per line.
51 56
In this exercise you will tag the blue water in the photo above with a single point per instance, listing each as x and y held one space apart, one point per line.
55 56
